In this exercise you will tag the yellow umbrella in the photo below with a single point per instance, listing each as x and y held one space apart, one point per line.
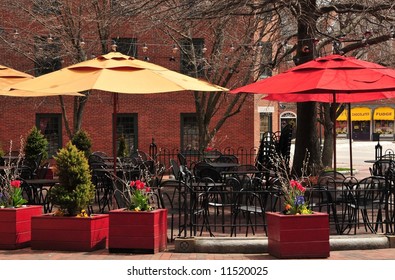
117 73
9 77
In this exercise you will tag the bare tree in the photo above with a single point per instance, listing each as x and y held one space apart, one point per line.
315 28
244 40
60 28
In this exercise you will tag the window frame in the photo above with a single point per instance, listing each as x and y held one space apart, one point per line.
59 129
183 145
135 129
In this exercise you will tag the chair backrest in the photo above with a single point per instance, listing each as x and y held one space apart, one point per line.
210 173
99 153
175 169
267 149
227 159
42 171
371 190
330 173
382 166
173 195
182 159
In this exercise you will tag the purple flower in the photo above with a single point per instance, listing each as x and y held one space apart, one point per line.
299 200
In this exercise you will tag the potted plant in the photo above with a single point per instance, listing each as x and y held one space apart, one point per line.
138 227
123 148
297 231
15 215
70 227
35 149
82 141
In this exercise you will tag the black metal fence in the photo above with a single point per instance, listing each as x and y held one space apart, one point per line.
163 156
217 209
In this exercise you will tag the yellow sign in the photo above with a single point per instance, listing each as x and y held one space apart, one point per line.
361 114
384 113
357 114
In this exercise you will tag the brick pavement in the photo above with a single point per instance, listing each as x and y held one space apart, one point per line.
28 254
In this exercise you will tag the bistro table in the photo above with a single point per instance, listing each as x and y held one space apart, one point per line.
223 166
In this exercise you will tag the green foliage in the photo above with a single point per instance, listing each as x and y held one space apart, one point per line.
36 144
75 190
83 142
123 148
1 151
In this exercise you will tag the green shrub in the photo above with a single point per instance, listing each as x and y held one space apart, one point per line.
83 142
36 145
123 148
75 190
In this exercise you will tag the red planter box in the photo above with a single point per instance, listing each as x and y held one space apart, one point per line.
298 236
15 226
137 232
69 233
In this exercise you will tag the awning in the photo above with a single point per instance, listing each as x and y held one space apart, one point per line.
357 114
384 113
342 116
361 114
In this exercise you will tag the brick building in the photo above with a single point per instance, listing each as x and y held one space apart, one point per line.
168 118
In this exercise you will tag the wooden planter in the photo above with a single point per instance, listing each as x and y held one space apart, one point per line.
69 233
137 232
298 236
15 226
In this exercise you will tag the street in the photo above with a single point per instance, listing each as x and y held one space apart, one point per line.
361 151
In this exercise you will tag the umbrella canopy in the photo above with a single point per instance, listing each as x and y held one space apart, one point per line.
115 72
333 78
9 77
330 79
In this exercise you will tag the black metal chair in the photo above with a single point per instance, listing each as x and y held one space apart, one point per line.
365 200
382 166
251 202
104 183
173 197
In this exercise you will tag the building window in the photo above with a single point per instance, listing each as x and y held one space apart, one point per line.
189 132
127 128
50 126
192 63
126 46
265 123
46 55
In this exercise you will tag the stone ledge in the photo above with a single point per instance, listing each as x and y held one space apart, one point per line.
251 245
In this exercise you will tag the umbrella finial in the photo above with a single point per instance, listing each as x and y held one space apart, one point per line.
114 46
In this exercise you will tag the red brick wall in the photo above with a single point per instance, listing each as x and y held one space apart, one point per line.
158 118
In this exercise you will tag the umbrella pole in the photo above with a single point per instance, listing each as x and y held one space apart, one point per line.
334 134
114 132
350 136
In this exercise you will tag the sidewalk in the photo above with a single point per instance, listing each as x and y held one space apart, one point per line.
28 254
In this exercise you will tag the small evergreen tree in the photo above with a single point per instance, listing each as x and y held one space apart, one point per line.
75 190
35 148
83 142
123 148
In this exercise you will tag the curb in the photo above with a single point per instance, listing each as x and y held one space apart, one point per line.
246 245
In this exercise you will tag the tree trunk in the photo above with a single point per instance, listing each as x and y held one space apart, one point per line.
306 138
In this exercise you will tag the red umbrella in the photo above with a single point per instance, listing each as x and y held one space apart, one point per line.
334 78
